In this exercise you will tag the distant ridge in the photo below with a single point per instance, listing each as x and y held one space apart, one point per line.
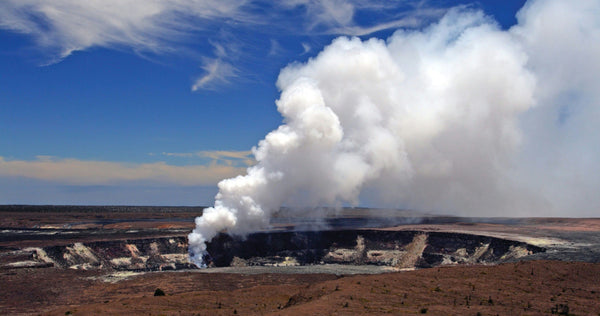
96 208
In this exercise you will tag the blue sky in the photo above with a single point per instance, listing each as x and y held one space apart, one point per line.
153 102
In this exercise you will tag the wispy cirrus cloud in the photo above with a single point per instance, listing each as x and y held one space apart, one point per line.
217 72
89 172
339 17
65 26
275 49
61 27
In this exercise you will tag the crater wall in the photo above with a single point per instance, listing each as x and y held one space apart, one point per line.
401 249
398 249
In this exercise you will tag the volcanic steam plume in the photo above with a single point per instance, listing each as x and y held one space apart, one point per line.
461 117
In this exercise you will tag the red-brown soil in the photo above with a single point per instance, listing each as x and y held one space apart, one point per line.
523 288
73 217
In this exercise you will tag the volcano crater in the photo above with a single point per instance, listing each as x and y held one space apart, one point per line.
398 249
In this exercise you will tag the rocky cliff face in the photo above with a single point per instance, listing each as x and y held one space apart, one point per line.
156 254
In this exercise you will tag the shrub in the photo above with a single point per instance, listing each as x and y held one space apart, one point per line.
159 292
560 309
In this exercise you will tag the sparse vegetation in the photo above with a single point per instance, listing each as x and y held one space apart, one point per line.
560 309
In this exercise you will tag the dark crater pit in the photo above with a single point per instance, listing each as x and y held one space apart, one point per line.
400 249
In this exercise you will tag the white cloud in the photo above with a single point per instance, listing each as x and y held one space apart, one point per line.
61 27
333 12
216 72
404 22
337 17
86 172
64 26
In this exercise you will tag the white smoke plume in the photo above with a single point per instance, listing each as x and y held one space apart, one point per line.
460 118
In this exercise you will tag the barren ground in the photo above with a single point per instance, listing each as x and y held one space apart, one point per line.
569 283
